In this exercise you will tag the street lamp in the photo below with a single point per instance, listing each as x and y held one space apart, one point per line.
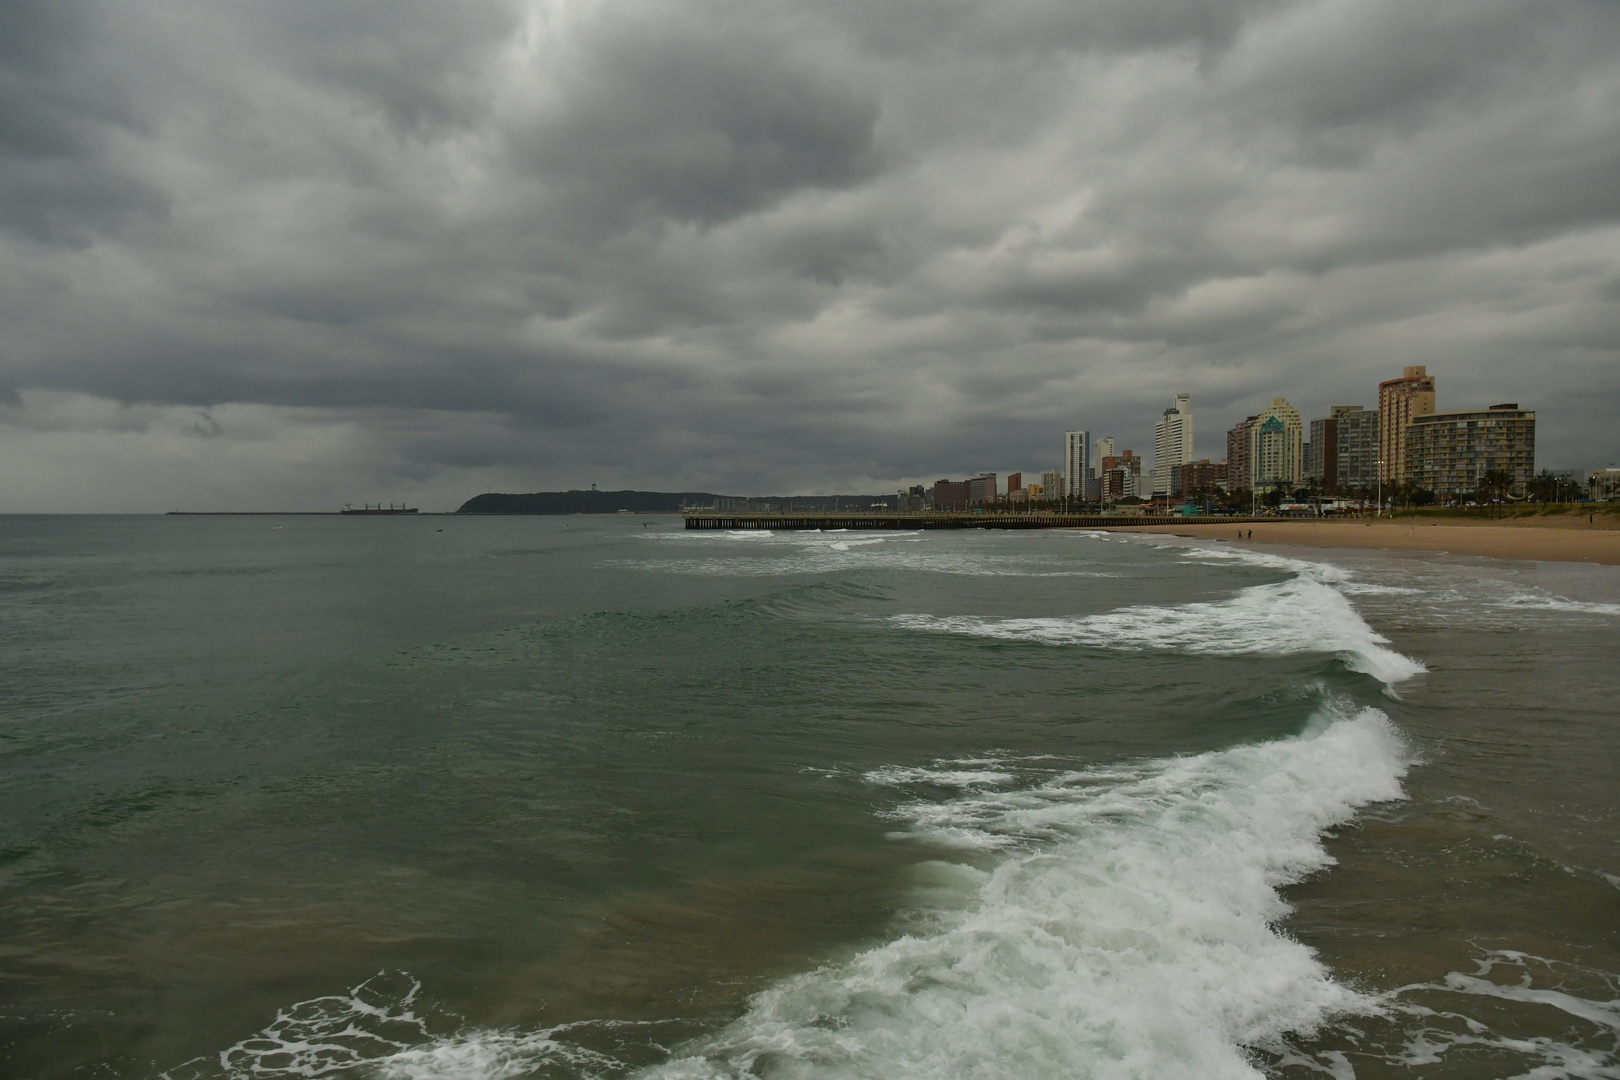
1380 465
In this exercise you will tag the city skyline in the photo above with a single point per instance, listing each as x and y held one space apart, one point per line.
299 255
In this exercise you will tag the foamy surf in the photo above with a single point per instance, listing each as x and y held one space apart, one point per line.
1129 931
1126 928
1300 615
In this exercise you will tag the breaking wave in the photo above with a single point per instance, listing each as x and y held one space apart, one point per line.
1300 615
1129 928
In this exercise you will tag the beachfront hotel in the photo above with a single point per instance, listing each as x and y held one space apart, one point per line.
1172 442
1400 401
1276 450
1077 461
1450 453
1343 450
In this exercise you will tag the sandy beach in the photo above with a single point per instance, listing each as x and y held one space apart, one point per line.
1561 542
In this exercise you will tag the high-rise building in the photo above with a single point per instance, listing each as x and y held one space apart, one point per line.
1076 461
951 494
1237 454
1051 483
1015 482
1276 446
1355 451
1449 453
982 489
1104 448
1400 401
1172 442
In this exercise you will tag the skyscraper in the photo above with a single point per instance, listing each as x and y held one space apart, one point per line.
1400 401
1276 446
1104 449
1076 462
1172 442
1237 454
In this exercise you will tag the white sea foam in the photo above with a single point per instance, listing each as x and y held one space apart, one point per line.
1319 570
1426 1035
1128 932
1300 615
961 776
1126 928
1521 600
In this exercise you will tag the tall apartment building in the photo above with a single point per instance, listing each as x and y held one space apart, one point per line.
1343 450
1052 484
1276 446
982 489
1400 401
1450 453
1237 454
1015 482
1103 448
1077 461
1172 442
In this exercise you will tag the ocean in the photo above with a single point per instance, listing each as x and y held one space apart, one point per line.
599 797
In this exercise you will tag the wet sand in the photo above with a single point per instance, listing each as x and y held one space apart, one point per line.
1555 543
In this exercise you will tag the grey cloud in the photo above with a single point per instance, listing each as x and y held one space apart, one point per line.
782 244
687 124
61 179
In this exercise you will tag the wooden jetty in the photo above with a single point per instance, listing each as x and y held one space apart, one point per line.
877 519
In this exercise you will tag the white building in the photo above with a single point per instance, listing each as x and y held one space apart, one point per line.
1276 447
1172 442
1076 462
1052 484
1105 449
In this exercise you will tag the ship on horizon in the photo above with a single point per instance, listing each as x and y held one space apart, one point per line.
367 508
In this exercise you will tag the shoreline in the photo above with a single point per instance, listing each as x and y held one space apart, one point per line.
1559 543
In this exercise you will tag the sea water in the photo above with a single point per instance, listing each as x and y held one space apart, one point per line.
583 797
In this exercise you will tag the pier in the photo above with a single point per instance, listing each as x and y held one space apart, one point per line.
877 519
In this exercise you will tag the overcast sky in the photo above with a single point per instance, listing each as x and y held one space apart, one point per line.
291 253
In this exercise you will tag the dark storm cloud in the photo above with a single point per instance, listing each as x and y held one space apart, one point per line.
777 245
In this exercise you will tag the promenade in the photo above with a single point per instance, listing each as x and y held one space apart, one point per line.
880 519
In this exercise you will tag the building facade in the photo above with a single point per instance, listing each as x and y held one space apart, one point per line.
982 490
1357 449
1205 475
1077 461
1276 447
1604 484
1172 442
1343 449
1237 454
1104 448
951 494
1120 477
1450 453
1400 401
1052 484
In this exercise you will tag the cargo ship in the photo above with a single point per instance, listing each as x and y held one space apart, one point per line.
367 508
